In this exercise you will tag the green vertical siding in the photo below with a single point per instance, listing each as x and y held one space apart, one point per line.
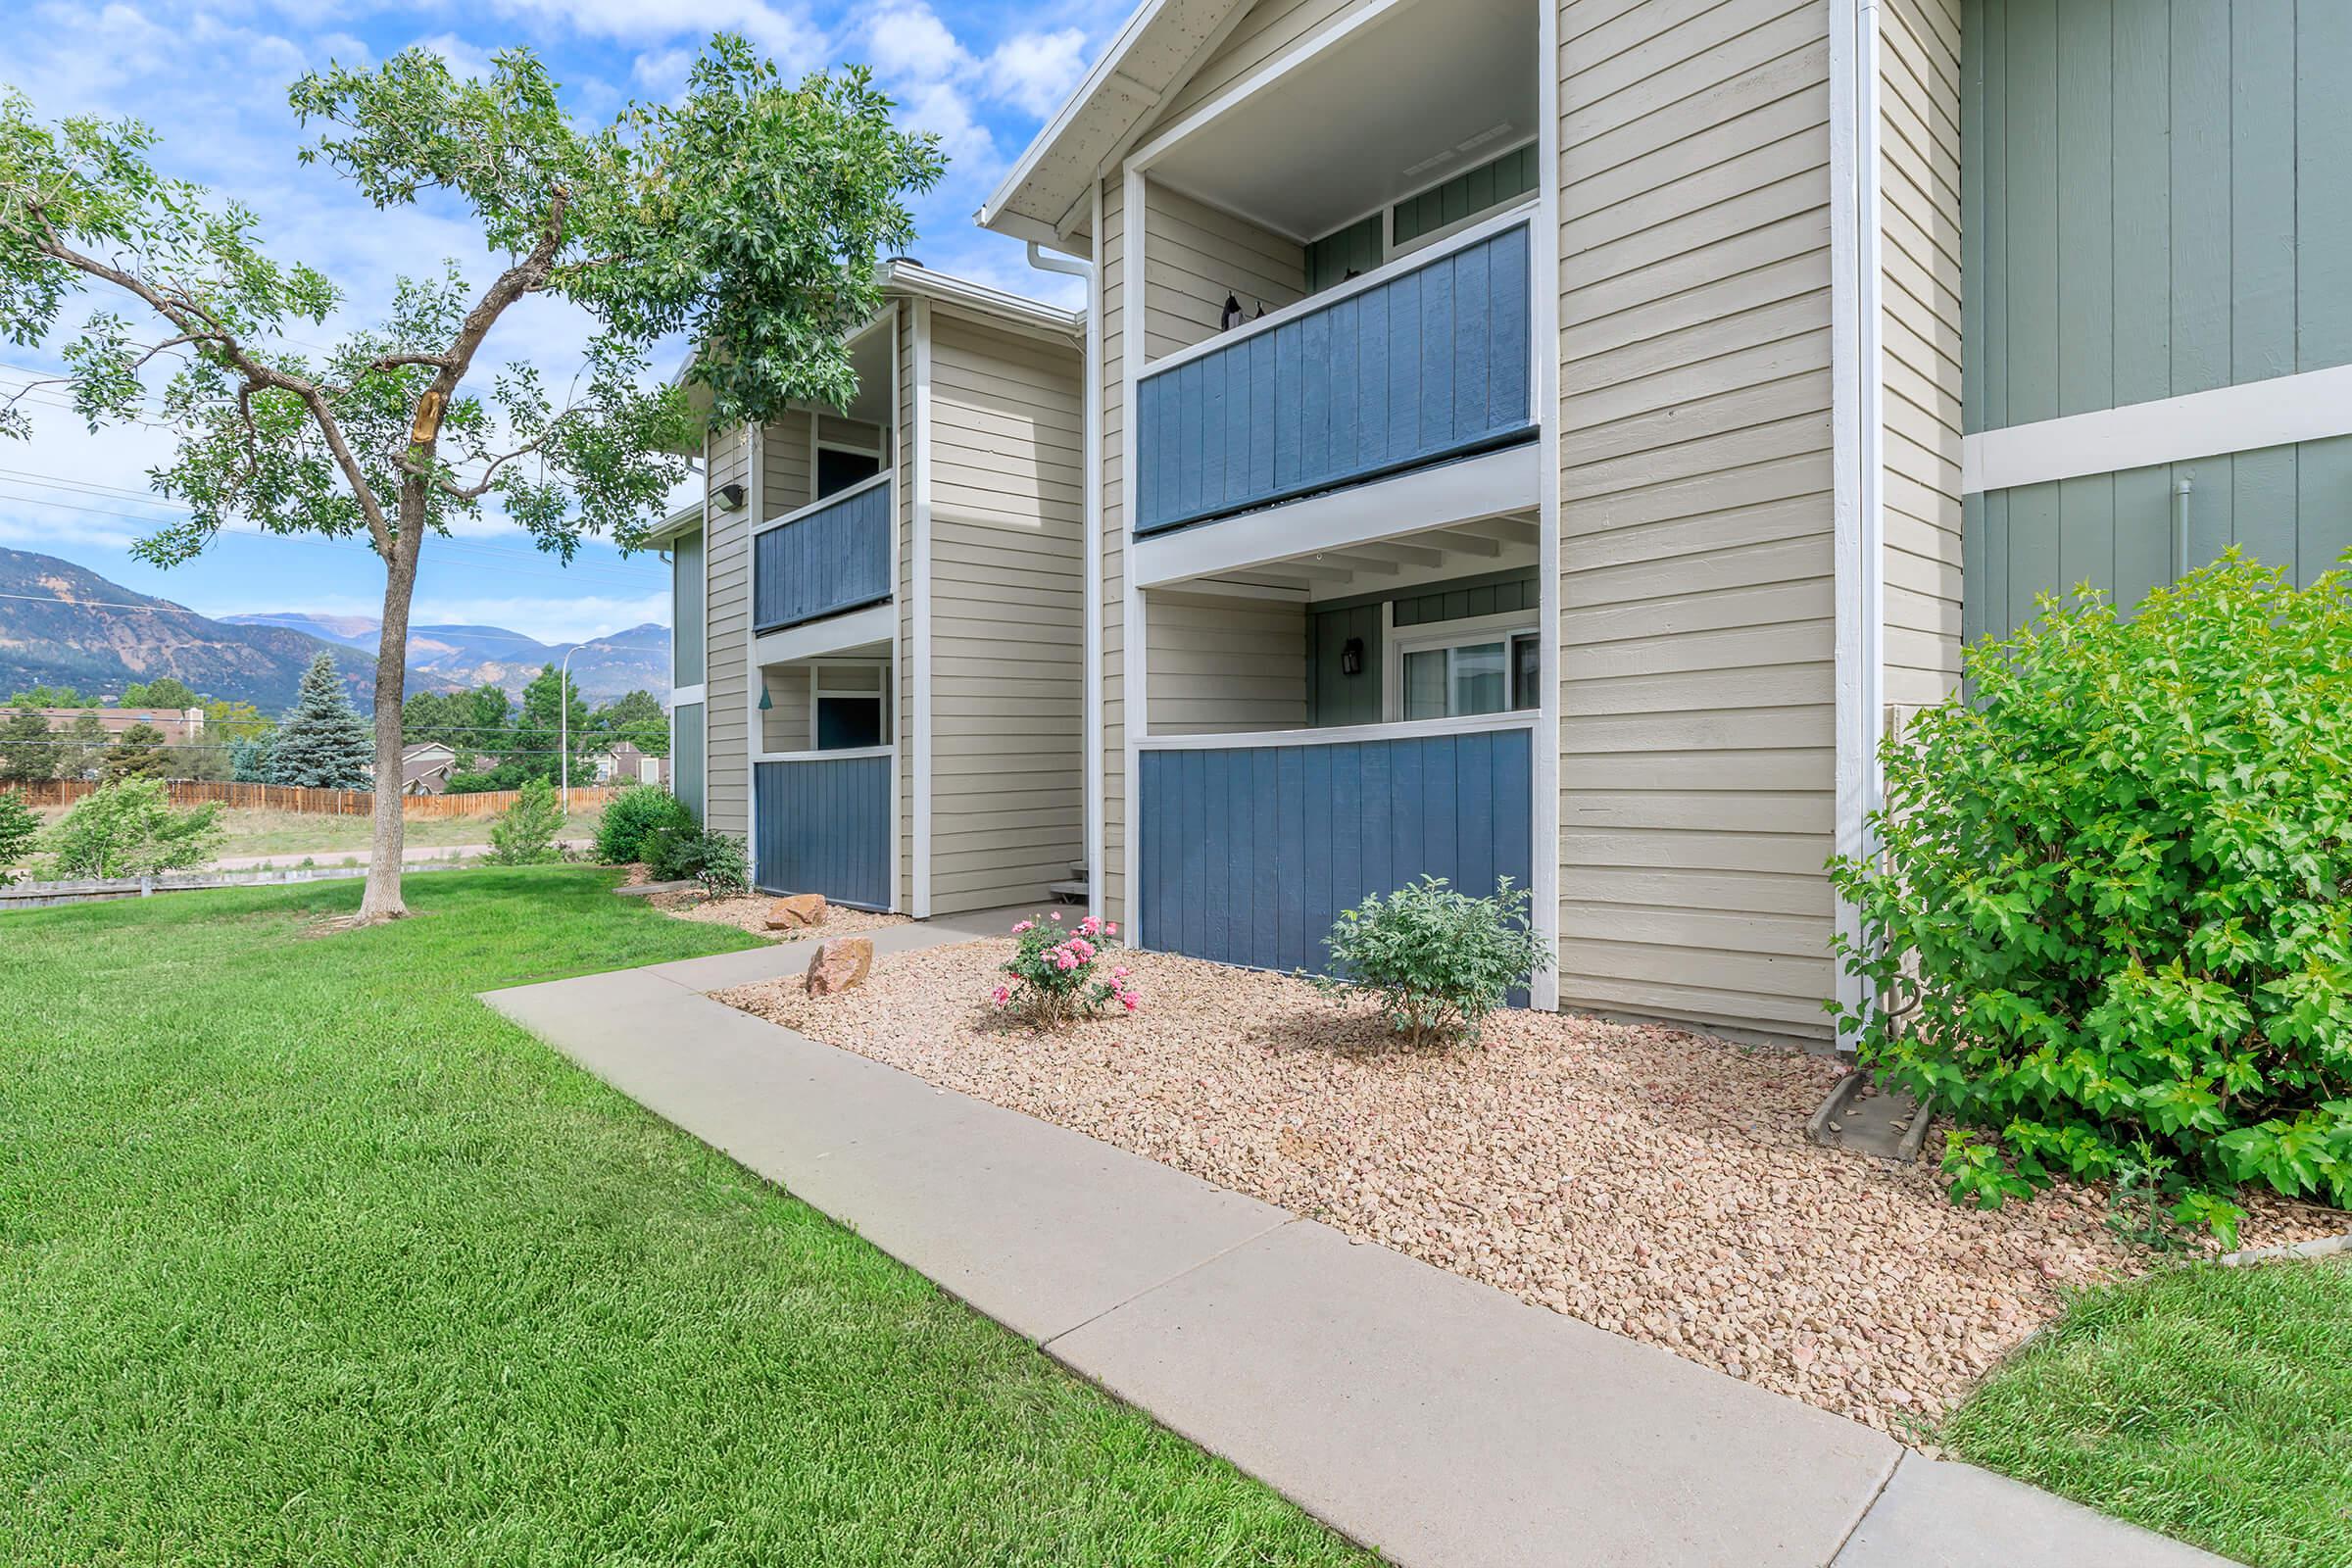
1357 248
2157 199
1333 698
2285 505
686 609
1466 194
687 750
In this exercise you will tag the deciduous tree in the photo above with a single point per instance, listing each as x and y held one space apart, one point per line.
747 217
139 753
27 749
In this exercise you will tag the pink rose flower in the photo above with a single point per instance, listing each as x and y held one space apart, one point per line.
1129 1001
1121 972
1111 929
1002 995
1056 915
1025 925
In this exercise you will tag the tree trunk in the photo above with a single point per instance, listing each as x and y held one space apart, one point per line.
381 899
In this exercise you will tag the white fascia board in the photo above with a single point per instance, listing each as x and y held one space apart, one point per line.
835 634
2314 406
965 297
1449 494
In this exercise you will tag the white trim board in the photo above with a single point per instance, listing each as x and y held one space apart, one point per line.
2285 409
835 634
1343 734
1443 496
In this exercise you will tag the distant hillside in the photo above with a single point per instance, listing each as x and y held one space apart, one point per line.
467 657
63 626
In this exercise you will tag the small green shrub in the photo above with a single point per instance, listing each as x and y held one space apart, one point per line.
2109 909
714 859
1438 961
130 828
630 815
19 827
525 833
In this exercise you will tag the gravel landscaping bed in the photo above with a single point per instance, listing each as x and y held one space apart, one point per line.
1655 1183
751 914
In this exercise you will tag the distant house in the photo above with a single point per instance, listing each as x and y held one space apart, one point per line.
178 725
624 763
424 767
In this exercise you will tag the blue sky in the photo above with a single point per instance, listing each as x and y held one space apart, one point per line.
211 79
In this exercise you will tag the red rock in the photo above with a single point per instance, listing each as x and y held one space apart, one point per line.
837 965
796 911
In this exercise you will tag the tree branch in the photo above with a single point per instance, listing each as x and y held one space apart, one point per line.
201 325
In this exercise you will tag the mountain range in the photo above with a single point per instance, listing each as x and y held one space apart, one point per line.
462 657
65 625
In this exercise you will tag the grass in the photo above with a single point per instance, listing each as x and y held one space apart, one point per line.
293 835
2214 1404
306 1257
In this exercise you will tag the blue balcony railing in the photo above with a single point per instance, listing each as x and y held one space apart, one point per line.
824 558
1402 369
826 825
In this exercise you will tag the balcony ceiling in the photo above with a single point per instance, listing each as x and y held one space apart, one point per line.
1399 564
1410 100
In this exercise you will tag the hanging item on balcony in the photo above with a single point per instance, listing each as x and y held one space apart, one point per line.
765 702
1231 314
1262 310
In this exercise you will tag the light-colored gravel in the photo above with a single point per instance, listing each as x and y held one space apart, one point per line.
751 914
1655 1183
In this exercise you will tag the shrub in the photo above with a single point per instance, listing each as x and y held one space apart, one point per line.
1437 960
19 827
524 833
634 812
1056 972
130 828
2107 925
714 859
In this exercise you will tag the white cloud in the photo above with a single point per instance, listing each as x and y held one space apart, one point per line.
549 620
908 40
1035 71
464 60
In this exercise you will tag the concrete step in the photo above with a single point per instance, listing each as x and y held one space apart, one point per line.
1068 891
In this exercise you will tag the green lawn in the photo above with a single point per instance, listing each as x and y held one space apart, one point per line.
2213 1404
308 1257
292 835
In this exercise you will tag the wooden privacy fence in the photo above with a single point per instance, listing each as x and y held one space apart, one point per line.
320 803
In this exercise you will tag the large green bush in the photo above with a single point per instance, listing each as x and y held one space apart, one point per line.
2110 908
130 828
1435 959
631 815
714 859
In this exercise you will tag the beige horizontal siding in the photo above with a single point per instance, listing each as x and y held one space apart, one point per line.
1263 31
1698 754
1007 611
726 539
1920 182
1222 663
1196 258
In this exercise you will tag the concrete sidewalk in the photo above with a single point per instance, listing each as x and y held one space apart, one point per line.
1437 1419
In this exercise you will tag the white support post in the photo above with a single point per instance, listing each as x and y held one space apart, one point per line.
754 731
898 739
922 610
1091 725
1543 276
1135 676
1857 413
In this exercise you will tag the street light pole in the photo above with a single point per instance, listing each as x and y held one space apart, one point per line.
564 726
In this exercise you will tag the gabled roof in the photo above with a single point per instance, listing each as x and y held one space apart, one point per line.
1045 195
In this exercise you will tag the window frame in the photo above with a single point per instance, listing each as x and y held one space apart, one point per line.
1470 631
820 693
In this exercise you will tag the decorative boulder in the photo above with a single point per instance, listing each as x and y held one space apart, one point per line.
796 911
839 964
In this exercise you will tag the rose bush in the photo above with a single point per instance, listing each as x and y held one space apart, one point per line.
1056 972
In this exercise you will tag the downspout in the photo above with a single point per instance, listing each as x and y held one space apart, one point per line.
1089 725
2181 489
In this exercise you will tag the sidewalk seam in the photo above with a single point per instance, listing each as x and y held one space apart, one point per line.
1867 1507
1188 1271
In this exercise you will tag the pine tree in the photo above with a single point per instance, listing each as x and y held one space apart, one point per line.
139 754
27 751
322 743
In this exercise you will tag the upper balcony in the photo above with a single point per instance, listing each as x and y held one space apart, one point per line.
1336 259
1419 362
825 559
